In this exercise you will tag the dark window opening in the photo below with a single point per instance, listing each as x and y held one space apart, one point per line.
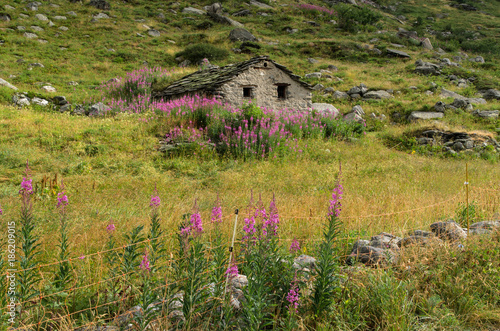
247 92
265 64
281 92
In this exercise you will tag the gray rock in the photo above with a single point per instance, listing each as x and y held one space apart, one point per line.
8 7
373 256
100 4
78 110
21 28
385 241
358 110
329 90
20 100
72 83
381 94
193 11
41 17
5 83
458 146
468 144
5 17
422 233
354 90
427 70
40 102
355 96
65 108
71 13
60 18
98 109
63 28
491 114
59 100
313 75
24 15
491 94
450 94
440 106
30 35
39 65
239 281
36 28
420 115
312 61
244 12
260 4
304 261
418 240
100 16
350 117
51 24
426 43
358 244
449 230
48 88
340 95
240 34
460 103
318 87
395 52
478 59
425 141
33 6
485 227
154 33
326 109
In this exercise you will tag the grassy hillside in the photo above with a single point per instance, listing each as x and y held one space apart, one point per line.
112 164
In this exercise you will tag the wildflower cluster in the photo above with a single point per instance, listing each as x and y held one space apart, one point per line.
315 9
294 246
293 296
217 212
195 223
335 203
145 262
232 271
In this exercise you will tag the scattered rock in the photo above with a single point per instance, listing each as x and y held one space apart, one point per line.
71 13
240 34
36 28
372 256
63 28
48 88
260 4
244 12
40 102
60 18
420 115
33 6
193 11
340 95
41 17
5 83
239 281
304 261
426 43
313 75
326 109
478 59
490 114
418 240
100 16
39 65
98 109
449 230
100 4
484 227
385 241
30 35
154 33
450 94
491 94
394 52
5 17
377 95
8 7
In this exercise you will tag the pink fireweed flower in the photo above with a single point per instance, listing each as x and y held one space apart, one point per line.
62 199
335 203
217 211
81 257
196 224
232 271
293 296
110 228
249 227
155 201
295 246
1 210
145 262
26 186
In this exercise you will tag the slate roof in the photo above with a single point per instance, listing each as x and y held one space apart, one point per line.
209 80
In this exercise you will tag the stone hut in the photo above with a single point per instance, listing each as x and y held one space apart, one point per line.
260 80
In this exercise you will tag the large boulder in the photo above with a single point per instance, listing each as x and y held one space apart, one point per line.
449 230
240 34
427 70
484 227
491 94
396 53
193 11
325 109
385 241
260 4
418 240
450 94
372 256
493 114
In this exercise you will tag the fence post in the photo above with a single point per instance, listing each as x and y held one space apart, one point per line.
231 247
467 193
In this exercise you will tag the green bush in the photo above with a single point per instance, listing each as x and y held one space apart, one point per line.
353 19
198 52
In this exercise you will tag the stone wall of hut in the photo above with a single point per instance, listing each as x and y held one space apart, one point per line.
263 81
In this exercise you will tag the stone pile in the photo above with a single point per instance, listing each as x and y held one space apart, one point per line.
456 142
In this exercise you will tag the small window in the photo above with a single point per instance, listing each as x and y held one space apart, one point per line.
247 92
265 64
281 91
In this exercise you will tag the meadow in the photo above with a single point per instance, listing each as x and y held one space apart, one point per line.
122 211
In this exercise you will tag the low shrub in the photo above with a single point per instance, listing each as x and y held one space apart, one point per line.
198 52
353 19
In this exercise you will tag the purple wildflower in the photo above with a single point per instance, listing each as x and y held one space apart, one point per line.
81 257
217 211
62 199
293 296
335 203
155 199
232 271
295 246
1 210
195 221
145 262
110 228
249 227
26 186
